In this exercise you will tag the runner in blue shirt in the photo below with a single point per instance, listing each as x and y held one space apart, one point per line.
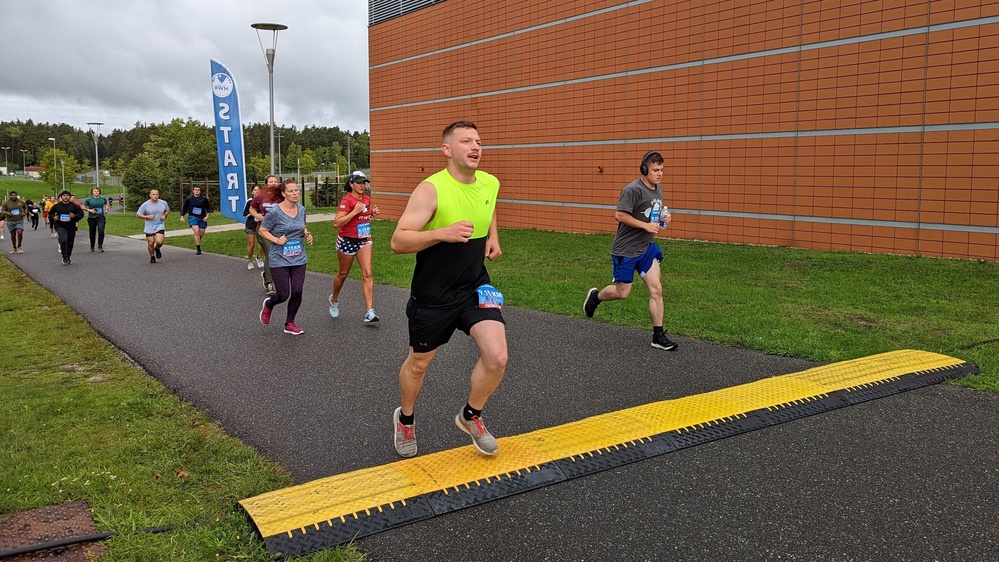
197 209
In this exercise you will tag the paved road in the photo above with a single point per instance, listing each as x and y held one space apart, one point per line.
910 477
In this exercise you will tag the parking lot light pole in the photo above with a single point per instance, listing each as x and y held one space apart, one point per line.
274 28
97 153
53 161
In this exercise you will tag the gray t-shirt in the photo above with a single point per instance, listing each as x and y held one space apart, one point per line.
279 224
157 209
642 203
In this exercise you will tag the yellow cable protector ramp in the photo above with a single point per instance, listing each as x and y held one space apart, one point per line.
337 509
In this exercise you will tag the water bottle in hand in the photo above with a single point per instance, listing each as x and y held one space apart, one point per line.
664 216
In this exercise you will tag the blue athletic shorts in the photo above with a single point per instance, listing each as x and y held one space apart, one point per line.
625 268
195 221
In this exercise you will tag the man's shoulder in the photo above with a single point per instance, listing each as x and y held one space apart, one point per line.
636 183
485 176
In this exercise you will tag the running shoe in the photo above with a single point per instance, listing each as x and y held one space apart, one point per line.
662 342
481 438
260 263
591 302
265 313
291 328
13 251
152 259
159 255
198 253
263 280
20 250
334 308
100 249
370 316
249 265
270 289
405 436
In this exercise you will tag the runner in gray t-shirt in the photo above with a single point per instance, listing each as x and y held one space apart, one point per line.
638 216
284 227
154 211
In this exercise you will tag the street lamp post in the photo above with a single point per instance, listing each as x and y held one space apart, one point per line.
274 28
64 174
53 161
23 173
6 166
280 172
97 153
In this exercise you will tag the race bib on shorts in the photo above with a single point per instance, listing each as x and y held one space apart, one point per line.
364 230
65 218
489 297
196 211
292 248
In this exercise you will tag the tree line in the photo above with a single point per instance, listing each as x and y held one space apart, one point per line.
166 154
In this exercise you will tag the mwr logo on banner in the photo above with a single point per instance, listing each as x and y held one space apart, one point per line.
229 140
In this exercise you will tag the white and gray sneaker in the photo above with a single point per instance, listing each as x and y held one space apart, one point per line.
481 438
405 436
334 308
370 316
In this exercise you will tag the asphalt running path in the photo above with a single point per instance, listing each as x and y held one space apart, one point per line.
912 476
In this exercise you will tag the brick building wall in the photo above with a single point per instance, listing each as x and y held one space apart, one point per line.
853 125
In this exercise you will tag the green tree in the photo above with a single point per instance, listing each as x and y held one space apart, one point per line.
309 163
182 150
291 161
59 172
140 175
258 169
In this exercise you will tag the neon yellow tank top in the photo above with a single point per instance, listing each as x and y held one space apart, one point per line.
458 201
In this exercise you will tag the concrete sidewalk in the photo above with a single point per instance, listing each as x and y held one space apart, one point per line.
913 476
320 217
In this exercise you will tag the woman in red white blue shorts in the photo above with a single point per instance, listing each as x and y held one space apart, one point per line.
353 224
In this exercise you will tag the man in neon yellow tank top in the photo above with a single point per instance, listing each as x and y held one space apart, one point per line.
450 224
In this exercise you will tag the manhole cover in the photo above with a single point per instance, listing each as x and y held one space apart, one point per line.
47 524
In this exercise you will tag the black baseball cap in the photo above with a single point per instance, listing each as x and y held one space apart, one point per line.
358 177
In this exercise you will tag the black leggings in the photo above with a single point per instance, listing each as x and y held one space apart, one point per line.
288 283
96 230
67 236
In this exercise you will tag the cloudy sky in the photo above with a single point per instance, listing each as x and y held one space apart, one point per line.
122 61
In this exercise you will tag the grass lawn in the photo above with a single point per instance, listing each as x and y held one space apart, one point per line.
35 189
818 305
80 422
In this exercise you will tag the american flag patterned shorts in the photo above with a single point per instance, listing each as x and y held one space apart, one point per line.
350 246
